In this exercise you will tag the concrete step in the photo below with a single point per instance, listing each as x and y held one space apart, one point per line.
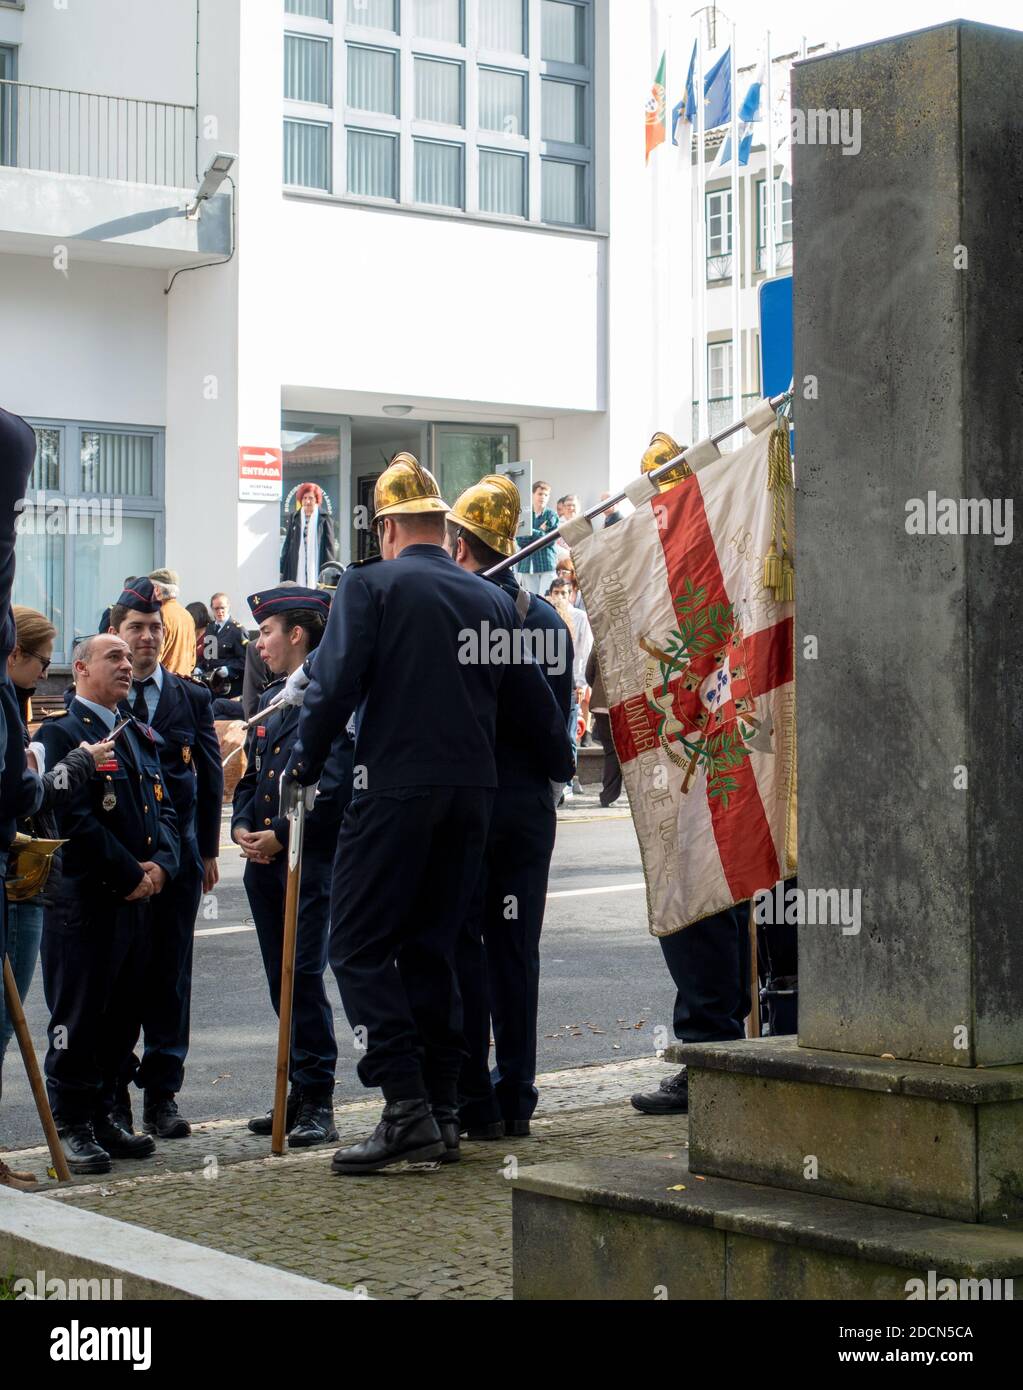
628 1228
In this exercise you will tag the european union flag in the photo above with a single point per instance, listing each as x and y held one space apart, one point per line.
717 92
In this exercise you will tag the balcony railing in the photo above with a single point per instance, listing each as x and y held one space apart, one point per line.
782 255
721 414
57 131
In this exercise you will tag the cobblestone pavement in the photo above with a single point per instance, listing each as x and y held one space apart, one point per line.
441 1232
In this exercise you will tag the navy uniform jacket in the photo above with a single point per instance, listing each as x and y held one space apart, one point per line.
106 845
189 752
257 797
409 649
518 762
228 648
20 789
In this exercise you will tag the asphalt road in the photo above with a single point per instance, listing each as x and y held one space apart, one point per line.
604 989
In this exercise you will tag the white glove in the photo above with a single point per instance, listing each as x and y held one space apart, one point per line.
295 687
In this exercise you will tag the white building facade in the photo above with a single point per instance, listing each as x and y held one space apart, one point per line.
439 233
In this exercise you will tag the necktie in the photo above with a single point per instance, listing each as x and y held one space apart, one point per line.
139 708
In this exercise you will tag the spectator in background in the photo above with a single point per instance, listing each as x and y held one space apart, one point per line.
225 645
178 654
568 510
536 571
559 596
610 514
567 575
611 788
202 618
309 541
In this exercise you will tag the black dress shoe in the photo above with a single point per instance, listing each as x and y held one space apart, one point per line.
314 1123
83 1153
160 1117
670 1098
407 1133
122 1143
494 1130
447 1122
263 1124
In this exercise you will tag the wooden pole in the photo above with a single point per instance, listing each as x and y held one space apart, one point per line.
296 823
35 1080
754 1014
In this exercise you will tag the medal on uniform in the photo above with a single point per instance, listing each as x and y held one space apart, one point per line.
158 791
186 754
109 797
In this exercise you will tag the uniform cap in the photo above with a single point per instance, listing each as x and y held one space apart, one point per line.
490 510
406 488
279 600
139 597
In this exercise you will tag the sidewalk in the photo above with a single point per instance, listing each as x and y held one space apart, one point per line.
433 1233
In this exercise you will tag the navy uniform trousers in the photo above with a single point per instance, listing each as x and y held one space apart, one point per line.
499 960
313 1046
167 986
93 958
407 864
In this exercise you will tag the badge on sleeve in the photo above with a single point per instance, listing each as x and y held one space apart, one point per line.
186 754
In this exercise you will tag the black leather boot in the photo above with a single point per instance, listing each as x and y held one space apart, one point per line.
447 1122
120 1142
670 1098
160 1117
407 1133
120 1111
83 1153
314 1123
263 1124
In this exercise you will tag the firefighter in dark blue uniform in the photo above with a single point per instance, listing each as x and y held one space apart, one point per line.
121 851
181 713
499 950
224 646
419 651
291 622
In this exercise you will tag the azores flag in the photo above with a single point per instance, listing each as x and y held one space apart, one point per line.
686 108
656 124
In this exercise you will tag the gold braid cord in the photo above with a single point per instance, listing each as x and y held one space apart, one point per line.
779 573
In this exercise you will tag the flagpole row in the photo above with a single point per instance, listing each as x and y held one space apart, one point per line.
599 508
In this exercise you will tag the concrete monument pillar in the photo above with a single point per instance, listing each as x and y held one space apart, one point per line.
888 1142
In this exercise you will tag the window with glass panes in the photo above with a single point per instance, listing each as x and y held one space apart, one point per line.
782 211
719 370
94 515
719 223
461 105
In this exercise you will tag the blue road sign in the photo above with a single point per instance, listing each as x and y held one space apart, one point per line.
776 335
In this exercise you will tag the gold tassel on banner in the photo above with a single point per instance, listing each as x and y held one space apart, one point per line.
779 572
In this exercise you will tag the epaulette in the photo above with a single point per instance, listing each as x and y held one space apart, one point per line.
369 560
196 680
56 714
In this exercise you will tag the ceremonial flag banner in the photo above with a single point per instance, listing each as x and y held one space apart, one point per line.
656 122
697 660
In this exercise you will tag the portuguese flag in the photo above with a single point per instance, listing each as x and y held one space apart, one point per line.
697 661
656 123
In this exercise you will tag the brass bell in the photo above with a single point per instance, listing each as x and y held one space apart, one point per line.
490 510
404 488
662 448
30 865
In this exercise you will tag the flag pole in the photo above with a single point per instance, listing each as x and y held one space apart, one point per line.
770 230
736 230
701 224
599 508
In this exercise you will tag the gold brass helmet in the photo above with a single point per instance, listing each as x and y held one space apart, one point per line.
29 866
404 488
490 510
662 448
